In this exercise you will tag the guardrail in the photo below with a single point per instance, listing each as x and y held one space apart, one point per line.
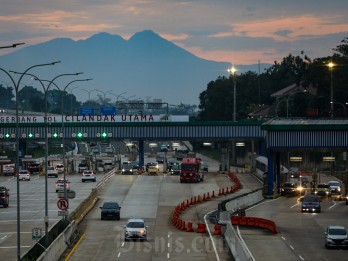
254 222
61 240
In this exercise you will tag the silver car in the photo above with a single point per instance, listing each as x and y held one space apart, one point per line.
24 175
135 229
336 236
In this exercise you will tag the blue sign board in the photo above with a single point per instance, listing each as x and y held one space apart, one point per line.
86 111
107 111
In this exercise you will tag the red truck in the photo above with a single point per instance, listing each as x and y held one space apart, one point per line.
191 170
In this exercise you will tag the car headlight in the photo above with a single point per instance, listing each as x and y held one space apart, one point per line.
142 232
339 189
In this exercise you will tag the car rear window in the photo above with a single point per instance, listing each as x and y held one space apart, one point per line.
110 205
135 224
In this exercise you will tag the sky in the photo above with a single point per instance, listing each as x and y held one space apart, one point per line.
235 31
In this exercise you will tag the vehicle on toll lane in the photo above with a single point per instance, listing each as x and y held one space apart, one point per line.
310 203
135 229
88 175
52 172
4 197
34 168
190 170
336 237
110 210
24 175
60 185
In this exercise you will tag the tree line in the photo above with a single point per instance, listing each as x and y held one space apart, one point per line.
253 91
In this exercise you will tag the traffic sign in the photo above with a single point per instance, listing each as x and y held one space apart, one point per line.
86 111
63 204
70 193
107 111
36 233
62 213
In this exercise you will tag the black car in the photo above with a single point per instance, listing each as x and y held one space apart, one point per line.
110 210
4 197
34 168
289 189
175 169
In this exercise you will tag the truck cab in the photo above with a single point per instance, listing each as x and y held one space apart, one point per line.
191 170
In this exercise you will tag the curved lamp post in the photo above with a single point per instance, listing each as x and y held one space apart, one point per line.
71 95
46 219
16 86
11 46
63 136
89 93
104 94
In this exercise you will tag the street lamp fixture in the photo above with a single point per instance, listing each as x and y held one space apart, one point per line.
16 87
11 46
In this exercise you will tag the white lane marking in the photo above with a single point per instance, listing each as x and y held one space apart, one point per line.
211 237
3 237
119 254
295 205
122 244
168 255
15 232
27 220
168 245
264 202
334 204
10 247
243 242
283 238
300 257
291 247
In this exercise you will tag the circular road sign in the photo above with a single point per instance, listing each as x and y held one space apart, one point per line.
63 204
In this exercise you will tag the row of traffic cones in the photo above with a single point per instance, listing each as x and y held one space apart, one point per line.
188 227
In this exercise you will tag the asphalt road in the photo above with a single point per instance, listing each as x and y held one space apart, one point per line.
301 235
32 210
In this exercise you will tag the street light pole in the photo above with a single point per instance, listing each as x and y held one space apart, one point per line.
104 93
71 98
89 93
46 219
16 86
232 72
331 65
63 136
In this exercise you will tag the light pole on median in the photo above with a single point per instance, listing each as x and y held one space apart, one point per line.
71 98
232 72
46 219
63 136
16 86
89 93
104 95
331 65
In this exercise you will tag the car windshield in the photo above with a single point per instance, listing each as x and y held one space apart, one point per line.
337 231
323 186
310 198
289 185
188 167
334 183
110 205
135 225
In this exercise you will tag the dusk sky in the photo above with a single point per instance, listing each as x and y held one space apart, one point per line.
235 31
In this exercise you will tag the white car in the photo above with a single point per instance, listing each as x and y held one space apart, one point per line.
52 172
60 168
135 229
24 175
88 175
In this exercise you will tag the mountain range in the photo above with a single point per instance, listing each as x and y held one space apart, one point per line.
145 67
